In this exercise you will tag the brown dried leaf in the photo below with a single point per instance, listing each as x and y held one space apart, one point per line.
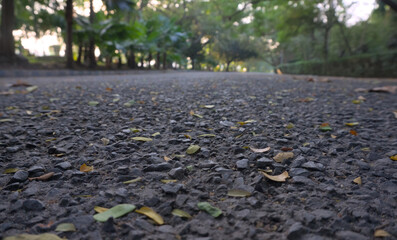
283 156
286 149
381 233
43 177
384 89
278 178
85 168
358 181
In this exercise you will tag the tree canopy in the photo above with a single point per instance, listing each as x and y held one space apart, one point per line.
213 35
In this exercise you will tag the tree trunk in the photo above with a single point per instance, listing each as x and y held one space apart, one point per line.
69 32
78 61
131 60
227 65
149 60
92 60
345 39
193 63
158 59
164 61
325 47
7 47
119 63
142 61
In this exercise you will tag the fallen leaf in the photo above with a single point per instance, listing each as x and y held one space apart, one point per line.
181 213
213 211
384 89
115 212
394 158
32 88
135 130
286 149
366 149
333 136
198 115
6 120
325 127
358 180
290 126
44 236
357 101
361 98
208 106
129 103
308 99
238 193
105 141
207 135
192 149
65 227
142 139
10 170
351 124
395 114
246 122
283 156
261 150
99 209
109 89
168 180
93 103
166 158
85 168
19 83
277 178
155 134
381 233
43 177
353 132
151 214
279 72
133 180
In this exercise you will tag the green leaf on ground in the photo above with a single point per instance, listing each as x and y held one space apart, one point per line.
93 103
238 193
115 212
181 213
213 211
10 170
133 180
44 236
193 149
129 103
65 227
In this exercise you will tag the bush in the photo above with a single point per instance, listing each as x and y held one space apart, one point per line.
365 65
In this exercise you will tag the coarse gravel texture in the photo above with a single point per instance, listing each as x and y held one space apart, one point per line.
70 121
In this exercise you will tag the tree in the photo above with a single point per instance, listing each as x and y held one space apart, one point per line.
69 33
7 48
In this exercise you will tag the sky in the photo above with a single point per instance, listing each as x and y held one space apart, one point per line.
359 11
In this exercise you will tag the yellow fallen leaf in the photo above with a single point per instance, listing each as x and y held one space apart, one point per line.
333 136
155 134
351 124
142 139
168 180
99 209
133 180
395 114
151 214
85 168
24 236
278 178
262 150
279 72
358 180
394 158
283 156
381 233
166 158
